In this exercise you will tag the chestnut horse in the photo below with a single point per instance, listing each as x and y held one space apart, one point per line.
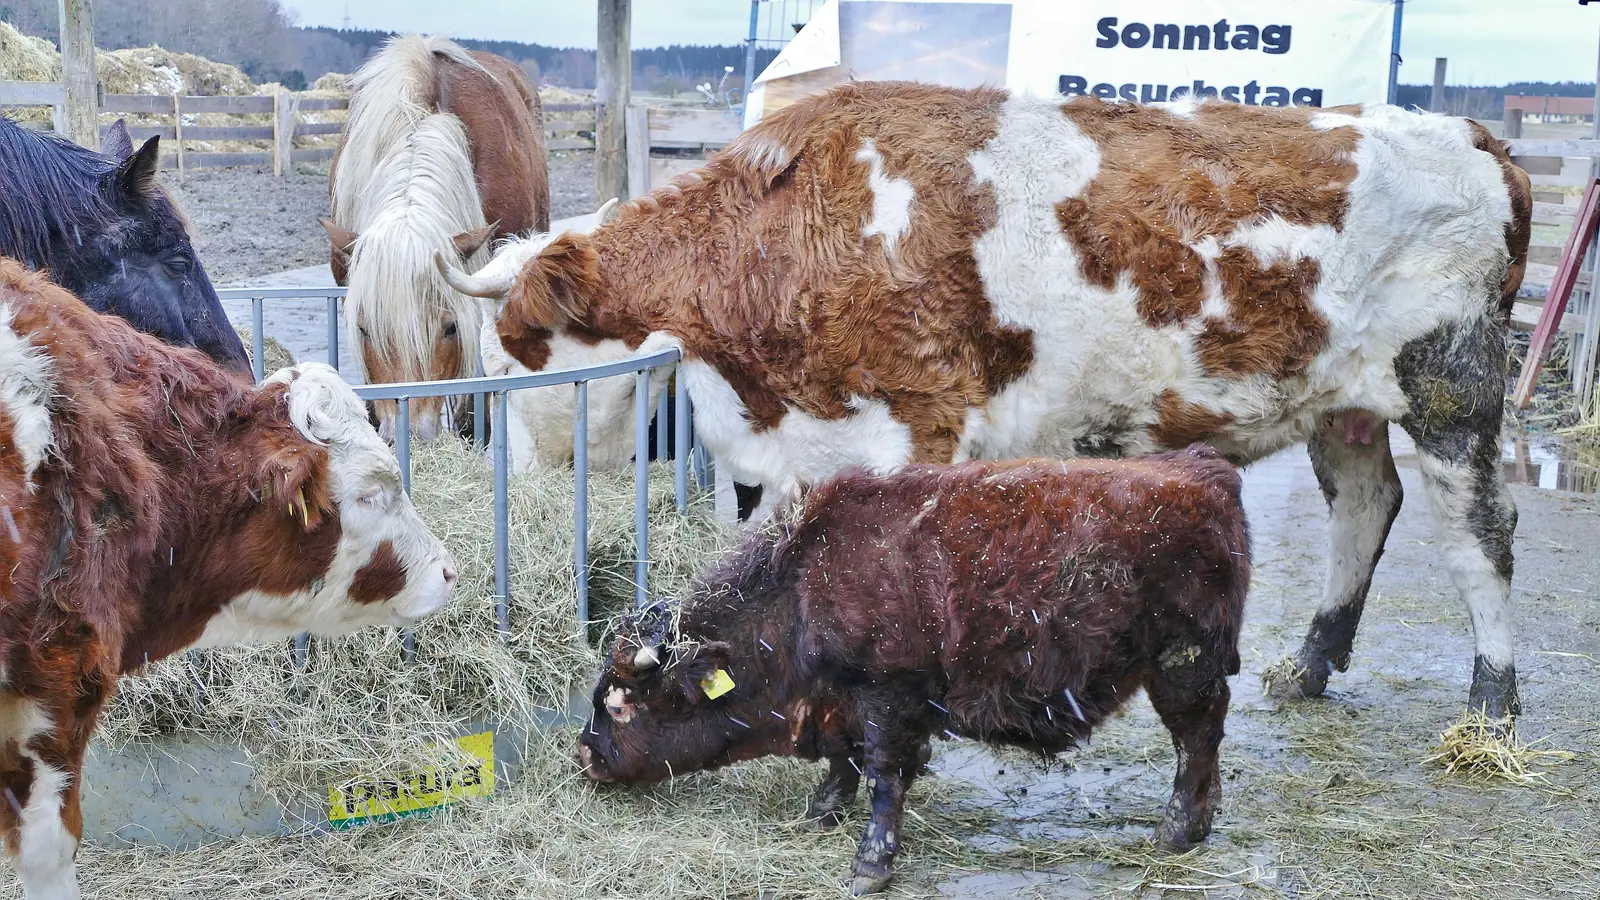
444 150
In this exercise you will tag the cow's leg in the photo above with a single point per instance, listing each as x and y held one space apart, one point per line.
837 790
1192 700
897 733
1454 380
42 820
1363 491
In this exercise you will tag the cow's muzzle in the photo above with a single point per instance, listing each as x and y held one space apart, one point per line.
587 761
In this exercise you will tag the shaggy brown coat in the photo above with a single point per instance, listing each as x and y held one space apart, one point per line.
1015 602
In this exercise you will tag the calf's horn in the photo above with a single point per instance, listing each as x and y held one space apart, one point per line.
471 285
646 658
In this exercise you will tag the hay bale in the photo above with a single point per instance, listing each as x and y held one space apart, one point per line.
153 70
332 83
550 835
25 58
553 95
275 355
357 710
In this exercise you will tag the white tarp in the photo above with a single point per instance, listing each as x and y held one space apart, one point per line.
1266 52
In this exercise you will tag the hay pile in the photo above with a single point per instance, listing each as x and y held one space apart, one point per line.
153 70
550 835
1554 405
25 58
357 709
275 356
1478 745
332 83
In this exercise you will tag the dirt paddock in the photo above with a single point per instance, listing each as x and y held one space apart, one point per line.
1325 798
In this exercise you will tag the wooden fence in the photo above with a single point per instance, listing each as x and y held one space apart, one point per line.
1554 165
575 131
689 132
1551 165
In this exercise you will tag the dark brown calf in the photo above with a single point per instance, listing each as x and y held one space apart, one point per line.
1014 602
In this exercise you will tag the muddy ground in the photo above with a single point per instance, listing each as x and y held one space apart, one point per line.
246 224
1326 798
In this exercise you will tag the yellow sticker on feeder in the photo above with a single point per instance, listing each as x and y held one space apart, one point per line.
716 684
361 801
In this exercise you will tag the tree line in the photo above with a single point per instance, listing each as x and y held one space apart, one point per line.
1487 102
262 39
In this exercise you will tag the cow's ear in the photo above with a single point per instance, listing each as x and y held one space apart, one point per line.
706 672
296 485
556 287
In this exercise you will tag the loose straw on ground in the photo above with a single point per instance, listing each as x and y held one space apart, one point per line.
1483 746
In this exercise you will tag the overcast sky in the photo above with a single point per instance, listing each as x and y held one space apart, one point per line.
1487 41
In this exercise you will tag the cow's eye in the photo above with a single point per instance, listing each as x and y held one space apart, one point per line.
618 707
374 496
449 330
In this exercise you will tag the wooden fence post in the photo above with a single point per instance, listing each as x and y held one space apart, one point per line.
177 130
638 150
1513 124
1436 99
613 79
82 116
285 111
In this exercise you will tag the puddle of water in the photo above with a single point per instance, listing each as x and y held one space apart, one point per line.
1542 461
1549 463
1056 804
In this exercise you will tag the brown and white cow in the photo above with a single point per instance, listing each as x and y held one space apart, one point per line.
888 273
150 502
444 150
1016 602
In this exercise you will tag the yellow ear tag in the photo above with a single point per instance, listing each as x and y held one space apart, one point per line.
716 684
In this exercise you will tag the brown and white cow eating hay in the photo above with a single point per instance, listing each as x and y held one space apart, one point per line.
151 502
1016 602
889 273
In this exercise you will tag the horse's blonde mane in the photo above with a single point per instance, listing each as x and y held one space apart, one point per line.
390 95
423 194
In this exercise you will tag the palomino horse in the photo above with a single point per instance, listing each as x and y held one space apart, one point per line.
444 150
102 227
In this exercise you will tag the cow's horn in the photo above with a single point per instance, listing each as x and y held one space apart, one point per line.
600 214
471 285
646 658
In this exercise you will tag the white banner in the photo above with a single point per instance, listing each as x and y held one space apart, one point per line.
1261 52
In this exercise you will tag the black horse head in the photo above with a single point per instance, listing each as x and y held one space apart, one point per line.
105 229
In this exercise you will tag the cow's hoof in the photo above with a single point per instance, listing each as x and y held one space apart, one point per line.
862 885
1180 836
1297 677
1494 693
